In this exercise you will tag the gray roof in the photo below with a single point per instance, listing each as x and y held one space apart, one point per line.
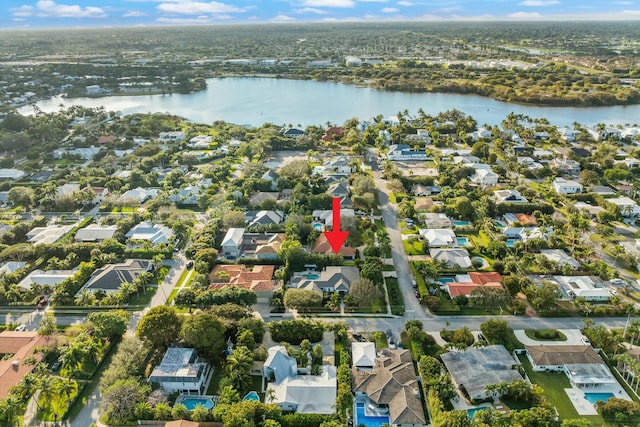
477 368
95 233
178 363
256 218
337 277
557 355
280 364
111 276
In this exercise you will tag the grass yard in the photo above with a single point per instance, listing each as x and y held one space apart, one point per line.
545 334
56 407
413 249
553 384
380 339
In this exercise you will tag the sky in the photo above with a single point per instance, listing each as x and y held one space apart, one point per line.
20 14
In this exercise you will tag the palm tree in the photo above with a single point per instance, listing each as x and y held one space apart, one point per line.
85 298
25 388
127 289
9 408
179 411
66 388
72 358
238 367
47 387
199 413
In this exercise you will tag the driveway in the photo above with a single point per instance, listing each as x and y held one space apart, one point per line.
574 337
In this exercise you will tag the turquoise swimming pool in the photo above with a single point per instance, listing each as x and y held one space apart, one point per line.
252 395
191 402
457 223
463 241
594 397
471 412
367 420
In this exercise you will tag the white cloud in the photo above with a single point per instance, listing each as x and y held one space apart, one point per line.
328 3
23 10
50 9
405 3
389 10
203 19
133 13
535 3
525 15
196 7
19 19
373 1
311 10
282 18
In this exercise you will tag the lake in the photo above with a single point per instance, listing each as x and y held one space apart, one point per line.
254 101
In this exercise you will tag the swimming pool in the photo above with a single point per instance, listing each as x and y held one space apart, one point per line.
457 223
252 395
446 279
191 402
367 420
463 241
471 412
317 226
594 397
510 243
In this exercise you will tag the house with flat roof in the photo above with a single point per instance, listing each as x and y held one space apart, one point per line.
628 207
473 369
582 287
336 278
391 387
565 186
294 390
95 233
48 278
405 152
110 277
15 348
180 371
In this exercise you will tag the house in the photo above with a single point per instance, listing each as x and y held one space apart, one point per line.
331 279
15 348
564 186
42 176
567 134
106 139
522 219
628 207
464 284
509 196
49 234
565 166
363 355
258 279
322 247
474 369
262 196
481 133
93 90
603 190
99 193
484 178
439 237
181 371
338 189
95 233
272 177
391 387
150 232
452 258
199 142
264 246
582 287
341 165
292 133
605 134
522 150
173 136
295 391
232 243
580 363
524 234
404 152
48 278
110 277
326 216
425 190
11 267
561 257
333 133
542 135
592 210
138 195
66 190
437 220
263 218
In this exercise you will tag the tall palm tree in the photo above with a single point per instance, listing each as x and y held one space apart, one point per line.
67 388
25 388
47 387
9 408
72 358
238 367
199 413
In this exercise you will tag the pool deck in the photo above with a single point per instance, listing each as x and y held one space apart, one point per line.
583 406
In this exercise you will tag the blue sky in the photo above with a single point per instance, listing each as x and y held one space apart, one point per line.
106 13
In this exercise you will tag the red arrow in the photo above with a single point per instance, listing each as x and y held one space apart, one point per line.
336 237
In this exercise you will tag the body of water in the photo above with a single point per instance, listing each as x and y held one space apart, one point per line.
254 101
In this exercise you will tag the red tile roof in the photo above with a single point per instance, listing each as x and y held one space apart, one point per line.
257 279
322 246
482 278
525 219
465 288
106 139
13 369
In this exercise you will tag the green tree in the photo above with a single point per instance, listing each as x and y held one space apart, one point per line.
160 327
119 401
238 369
21 196
303 300
365 292
110 324
205 332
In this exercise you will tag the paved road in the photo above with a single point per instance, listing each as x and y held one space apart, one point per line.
400 260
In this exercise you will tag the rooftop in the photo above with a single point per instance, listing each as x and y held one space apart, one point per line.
562 354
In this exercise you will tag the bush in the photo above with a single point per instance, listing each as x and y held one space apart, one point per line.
294 331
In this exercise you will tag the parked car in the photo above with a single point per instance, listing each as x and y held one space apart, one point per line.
414 284
481 337
56 366
189 265
21 328
417 294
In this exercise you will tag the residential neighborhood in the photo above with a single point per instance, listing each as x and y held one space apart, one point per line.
195 278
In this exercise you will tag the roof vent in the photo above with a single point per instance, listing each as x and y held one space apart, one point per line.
15 363
416 392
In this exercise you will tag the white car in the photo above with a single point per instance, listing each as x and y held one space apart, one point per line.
21 328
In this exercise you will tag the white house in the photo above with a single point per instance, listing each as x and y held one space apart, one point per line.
565 166
139 195
11 174
182 372
199 142
232 243
364 354
582 287
565 186
567 134
509 196
561 257
627 206
148 231
452 258
46 278
173 136
439 237
404 152
484 178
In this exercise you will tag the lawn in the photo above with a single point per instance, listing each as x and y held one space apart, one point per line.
554 384
57 407
380 339
545 334
413 249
